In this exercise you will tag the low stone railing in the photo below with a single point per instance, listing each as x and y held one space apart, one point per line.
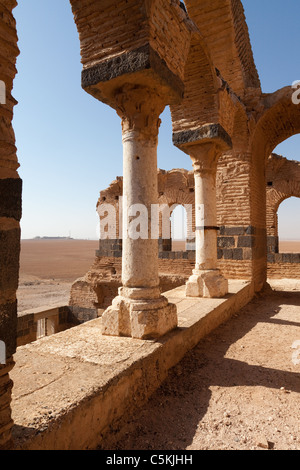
48 320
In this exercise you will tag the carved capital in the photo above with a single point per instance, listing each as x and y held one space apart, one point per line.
139 108
205 158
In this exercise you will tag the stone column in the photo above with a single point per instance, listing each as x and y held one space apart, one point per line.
206 280
139 311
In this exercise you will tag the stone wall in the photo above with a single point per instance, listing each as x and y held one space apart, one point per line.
284 266
54 320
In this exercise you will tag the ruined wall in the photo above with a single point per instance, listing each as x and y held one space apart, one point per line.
284 266
283 182
274 118
10 214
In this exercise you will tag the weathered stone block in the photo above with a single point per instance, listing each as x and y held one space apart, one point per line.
226 242
232 231
250 230
246 242
238 254
271 258
228 254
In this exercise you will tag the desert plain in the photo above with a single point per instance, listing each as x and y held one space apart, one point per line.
48 268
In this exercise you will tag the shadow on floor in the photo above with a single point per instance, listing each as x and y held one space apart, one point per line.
170 419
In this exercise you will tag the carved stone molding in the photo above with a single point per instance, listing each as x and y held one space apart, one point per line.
140 108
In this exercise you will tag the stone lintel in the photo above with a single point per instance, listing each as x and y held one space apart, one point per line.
210 133
142 66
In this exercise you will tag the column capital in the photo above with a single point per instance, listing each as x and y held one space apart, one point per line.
204 157
139 108
204 145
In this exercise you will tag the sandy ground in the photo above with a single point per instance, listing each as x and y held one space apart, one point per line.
237 390
49 267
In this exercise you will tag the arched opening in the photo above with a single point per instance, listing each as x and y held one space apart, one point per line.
289 148
179 228
169 156
289 225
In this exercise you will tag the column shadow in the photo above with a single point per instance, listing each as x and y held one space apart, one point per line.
171 417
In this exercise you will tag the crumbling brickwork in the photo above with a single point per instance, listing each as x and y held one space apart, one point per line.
10 214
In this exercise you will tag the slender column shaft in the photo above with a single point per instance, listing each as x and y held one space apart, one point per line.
140 256
140 310
206 280
206 220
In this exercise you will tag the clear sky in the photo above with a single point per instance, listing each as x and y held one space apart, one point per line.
69 144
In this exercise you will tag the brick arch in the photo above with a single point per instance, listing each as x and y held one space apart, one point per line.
279 120
223 26
200 103
176 187
275 197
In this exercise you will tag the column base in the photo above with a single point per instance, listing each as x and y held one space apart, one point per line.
207 284
140 319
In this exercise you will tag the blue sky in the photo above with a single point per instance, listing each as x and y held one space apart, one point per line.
69 144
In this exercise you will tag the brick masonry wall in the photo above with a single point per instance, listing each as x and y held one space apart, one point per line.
284 266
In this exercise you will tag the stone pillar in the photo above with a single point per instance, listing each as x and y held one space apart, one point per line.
205 145
139 311
206 280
